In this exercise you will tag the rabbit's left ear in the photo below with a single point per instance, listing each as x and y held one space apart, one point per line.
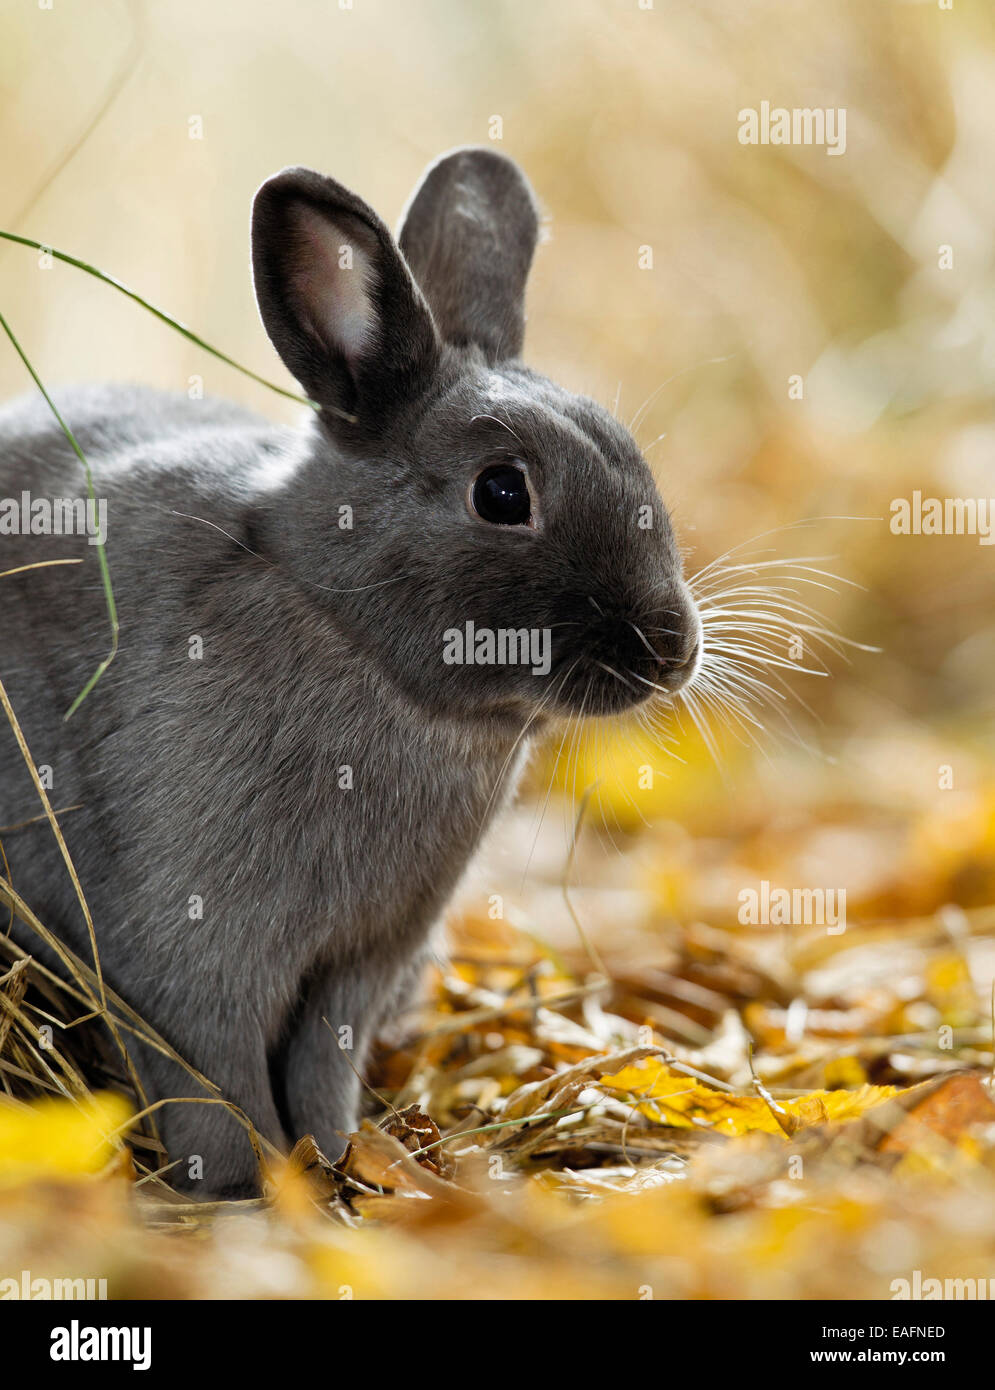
468 235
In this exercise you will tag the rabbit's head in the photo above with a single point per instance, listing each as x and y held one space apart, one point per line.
492 542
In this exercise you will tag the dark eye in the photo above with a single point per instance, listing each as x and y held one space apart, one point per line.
501 495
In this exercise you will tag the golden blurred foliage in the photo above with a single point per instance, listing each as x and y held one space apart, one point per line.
686 276
797 338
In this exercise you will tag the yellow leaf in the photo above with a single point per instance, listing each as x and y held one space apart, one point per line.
840 1072
58 1138
684 1103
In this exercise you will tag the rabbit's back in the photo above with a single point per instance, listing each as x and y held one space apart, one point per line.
148 760
107 421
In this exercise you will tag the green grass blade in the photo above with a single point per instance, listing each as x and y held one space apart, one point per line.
173 323
105 573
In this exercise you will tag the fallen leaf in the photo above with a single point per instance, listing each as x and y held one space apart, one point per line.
683 1102
58 1138
948 1111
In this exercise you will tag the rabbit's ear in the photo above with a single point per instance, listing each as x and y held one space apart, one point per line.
338 300
468 235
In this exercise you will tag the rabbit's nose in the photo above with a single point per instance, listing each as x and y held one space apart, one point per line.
677 669
677 639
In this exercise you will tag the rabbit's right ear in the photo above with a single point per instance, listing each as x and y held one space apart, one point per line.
338 300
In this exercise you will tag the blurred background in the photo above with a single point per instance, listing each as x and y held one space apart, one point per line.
686 280
684 276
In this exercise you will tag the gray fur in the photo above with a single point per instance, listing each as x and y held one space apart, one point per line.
469 234
220 777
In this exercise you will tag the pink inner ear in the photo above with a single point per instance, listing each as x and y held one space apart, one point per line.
333 274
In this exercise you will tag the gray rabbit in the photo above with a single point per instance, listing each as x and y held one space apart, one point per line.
286 770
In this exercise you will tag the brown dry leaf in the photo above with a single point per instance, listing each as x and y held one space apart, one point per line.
380 1160
948 1111
13 986
418 1131
307 1160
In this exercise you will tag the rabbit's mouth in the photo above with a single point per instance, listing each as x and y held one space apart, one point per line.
623 661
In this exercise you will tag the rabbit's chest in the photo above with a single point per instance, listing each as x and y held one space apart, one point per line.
396 829
345 843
